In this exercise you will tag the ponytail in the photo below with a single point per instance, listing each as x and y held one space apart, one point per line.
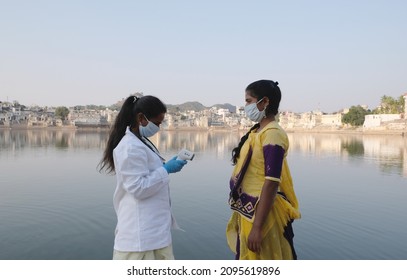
125 118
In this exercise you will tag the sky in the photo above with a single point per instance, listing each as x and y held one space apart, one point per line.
326 55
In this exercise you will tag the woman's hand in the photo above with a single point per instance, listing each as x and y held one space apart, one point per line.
254 240
174 165
267 197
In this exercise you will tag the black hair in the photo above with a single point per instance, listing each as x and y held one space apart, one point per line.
148 105
260 89
266 88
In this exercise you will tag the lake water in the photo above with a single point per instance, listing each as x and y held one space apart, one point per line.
54 204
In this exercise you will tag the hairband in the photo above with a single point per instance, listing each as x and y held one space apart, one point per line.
135 99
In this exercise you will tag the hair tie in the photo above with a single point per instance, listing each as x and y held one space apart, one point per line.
276 83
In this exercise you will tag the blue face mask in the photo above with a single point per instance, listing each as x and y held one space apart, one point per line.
149 130
253 112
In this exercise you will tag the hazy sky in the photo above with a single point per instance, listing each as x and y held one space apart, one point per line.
325 54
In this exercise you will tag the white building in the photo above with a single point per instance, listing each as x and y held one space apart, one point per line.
377 120
240 111
332 119
223 113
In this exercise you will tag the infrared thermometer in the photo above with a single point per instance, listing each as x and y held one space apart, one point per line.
185 155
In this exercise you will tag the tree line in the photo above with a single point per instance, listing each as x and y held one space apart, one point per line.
388 105
355 116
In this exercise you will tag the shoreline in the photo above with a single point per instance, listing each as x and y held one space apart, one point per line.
401 132
361 131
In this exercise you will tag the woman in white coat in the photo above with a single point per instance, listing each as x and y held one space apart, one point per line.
142 198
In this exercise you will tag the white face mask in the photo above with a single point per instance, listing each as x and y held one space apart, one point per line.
149 130
253 112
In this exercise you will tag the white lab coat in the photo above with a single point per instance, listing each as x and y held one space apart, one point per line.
141 199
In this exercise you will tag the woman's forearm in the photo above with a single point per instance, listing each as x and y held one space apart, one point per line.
267 197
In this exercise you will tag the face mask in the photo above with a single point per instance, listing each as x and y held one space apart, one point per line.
253 113
149 130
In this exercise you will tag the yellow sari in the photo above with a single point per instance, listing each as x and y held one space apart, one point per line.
263 157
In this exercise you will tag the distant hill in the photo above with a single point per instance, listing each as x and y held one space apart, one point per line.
187 106
196 106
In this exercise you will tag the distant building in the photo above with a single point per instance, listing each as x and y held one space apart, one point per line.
377 120
332 119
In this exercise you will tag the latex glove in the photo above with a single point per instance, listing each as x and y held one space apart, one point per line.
174 165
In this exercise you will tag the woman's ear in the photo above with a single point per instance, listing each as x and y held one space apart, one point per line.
266 101
140 119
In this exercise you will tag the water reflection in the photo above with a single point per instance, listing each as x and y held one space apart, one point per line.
219 142
354 148
14 140
389 152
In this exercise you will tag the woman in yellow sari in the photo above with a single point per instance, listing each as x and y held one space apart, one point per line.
262 196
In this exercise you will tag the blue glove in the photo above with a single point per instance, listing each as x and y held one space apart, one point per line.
174 165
